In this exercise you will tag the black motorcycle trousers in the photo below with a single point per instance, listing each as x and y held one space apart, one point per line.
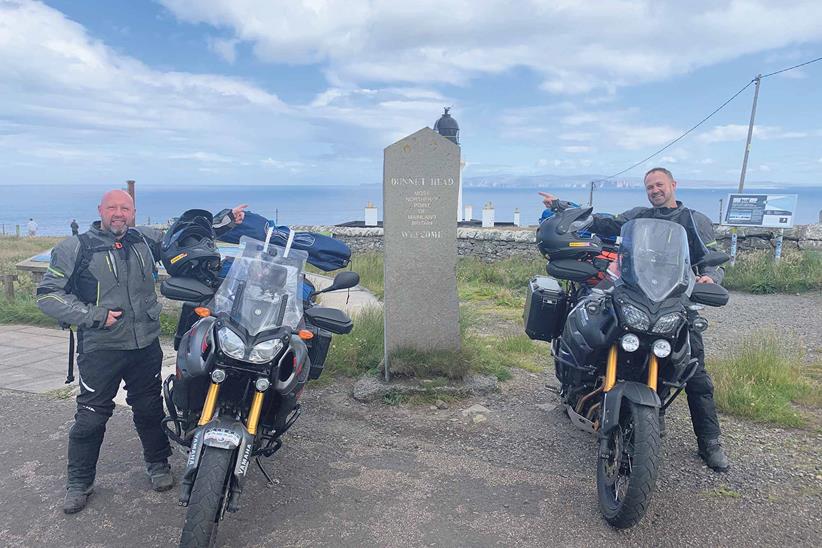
100 375
700 392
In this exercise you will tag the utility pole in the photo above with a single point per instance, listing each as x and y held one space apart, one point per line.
757 81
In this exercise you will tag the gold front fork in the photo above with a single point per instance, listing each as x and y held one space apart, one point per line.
254 412
610 369
210 404
653 372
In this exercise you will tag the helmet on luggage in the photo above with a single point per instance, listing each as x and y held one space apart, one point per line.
565 235
188 249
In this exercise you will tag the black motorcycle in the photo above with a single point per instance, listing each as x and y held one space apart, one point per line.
244 355
619 332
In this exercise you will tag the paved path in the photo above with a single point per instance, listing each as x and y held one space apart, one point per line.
34 359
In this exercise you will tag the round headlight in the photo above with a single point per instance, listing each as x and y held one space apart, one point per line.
218 376
630 342
662 348
262 384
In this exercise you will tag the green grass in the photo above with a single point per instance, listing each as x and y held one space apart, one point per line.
756 272
23 309
361 352
370 268
763 378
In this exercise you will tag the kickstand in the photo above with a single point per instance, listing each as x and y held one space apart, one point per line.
271 482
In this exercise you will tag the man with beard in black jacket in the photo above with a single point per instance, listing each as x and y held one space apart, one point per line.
103 282
661 189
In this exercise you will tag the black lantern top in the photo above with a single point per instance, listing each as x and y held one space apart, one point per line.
448 127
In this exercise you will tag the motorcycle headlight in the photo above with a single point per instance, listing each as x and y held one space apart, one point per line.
265 351
635 317
667 323
230 343
662 348
630 342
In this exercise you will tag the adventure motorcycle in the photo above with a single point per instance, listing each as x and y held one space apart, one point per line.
245 353
619 332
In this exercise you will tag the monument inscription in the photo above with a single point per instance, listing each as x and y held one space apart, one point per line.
420 191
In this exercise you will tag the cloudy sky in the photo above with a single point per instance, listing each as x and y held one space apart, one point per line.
311 91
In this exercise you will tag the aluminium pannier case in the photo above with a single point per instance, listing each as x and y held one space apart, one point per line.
545 308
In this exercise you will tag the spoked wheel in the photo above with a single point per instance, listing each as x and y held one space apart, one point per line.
627 466
209 497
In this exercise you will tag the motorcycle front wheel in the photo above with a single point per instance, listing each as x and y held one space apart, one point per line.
208 499
627 465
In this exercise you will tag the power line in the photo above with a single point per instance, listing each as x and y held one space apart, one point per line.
708 117
669 145
793 67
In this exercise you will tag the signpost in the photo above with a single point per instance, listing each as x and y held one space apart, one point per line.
762 210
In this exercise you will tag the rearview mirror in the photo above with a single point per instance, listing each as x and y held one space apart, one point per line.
343 280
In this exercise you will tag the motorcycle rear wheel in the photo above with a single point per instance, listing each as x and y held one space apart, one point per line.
208 499
627 466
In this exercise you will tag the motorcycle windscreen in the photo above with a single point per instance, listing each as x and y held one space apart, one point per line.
262 290
653 256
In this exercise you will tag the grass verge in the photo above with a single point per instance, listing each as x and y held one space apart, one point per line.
763 379
361 351
23 309
756 272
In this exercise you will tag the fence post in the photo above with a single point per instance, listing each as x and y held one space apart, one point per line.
777 254
17 229
8 280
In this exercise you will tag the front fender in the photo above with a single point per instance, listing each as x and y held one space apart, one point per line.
640 394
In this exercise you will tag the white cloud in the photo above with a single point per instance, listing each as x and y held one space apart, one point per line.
205 157
577 149
739 132
576 136
575 47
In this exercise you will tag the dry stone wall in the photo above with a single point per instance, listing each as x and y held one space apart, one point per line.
491 244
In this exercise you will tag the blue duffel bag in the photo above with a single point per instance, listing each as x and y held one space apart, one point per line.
324 252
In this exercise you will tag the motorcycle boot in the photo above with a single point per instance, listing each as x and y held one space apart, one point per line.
76 499
160 475
714 456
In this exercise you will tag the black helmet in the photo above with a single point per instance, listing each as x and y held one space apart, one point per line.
564 235
188 248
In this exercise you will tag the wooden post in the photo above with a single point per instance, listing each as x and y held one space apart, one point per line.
131 191
17 230
8 280
36 277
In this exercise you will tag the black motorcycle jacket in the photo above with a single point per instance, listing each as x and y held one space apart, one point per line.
699 228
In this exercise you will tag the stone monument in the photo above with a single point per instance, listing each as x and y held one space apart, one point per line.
420 187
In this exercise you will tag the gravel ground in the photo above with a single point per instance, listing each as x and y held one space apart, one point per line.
353 474
798 317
